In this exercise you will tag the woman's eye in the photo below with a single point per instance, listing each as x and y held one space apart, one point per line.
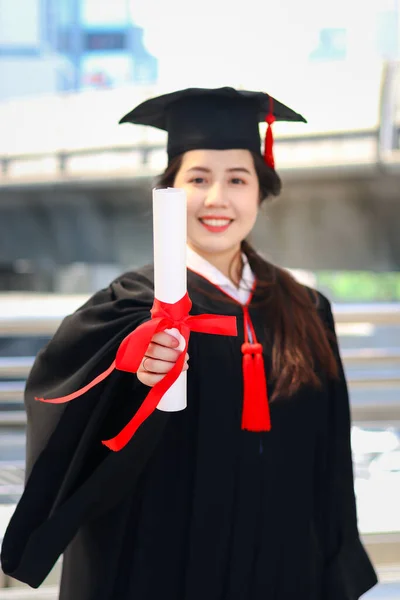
237 180
197 180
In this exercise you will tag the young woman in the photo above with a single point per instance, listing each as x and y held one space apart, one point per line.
248 493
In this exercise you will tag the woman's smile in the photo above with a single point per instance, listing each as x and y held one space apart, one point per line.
216 224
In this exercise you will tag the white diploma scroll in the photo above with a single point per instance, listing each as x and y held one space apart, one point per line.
170 285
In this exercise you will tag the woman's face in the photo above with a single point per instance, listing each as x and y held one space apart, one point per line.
222 199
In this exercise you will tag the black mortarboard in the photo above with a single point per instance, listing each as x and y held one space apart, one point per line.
213 119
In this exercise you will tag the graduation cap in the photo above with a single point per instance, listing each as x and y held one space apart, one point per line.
213 119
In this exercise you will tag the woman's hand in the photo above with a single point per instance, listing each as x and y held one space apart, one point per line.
160 357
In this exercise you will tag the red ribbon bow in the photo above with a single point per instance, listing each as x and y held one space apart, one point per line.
132 349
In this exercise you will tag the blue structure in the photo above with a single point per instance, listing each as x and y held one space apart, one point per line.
102 54
61 45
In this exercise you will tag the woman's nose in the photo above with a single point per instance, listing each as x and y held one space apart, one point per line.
216 196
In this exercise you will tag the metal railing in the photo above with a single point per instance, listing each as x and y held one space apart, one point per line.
63 159
43 317
384 374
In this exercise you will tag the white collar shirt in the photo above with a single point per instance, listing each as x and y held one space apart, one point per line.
200 265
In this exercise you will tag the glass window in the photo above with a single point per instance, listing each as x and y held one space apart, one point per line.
105 40
105 12
387 27
106 70
65 11
332 45
16 31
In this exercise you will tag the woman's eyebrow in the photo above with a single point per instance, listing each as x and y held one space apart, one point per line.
233 169
241 169
204 169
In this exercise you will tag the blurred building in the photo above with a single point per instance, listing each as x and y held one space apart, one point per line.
345 30
61 45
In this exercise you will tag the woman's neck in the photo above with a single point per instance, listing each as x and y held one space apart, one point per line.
230 263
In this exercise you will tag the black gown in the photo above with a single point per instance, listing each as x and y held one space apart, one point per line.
193 508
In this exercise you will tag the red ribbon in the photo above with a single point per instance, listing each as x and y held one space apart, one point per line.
132 349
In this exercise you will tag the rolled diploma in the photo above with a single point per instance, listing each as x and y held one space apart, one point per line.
170 285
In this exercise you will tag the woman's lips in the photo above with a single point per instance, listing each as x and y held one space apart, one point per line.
216 225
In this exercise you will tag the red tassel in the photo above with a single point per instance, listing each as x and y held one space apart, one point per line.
255 416
248 390
269 138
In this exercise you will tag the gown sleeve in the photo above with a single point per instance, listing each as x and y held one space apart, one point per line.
348 572
71 477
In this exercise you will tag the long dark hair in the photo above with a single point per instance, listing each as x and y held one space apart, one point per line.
298 335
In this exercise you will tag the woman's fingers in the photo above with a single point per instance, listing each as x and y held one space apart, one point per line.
151 379
165 339
152 365
160 358
162 353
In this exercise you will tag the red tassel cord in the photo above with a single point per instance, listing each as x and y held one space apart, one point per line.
269 138
256 414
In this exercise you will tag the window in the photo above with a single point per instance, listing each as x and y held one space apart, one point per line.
387 28
105 40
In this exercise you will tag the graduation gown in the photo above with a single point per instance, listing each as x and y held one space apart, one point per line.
193 508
